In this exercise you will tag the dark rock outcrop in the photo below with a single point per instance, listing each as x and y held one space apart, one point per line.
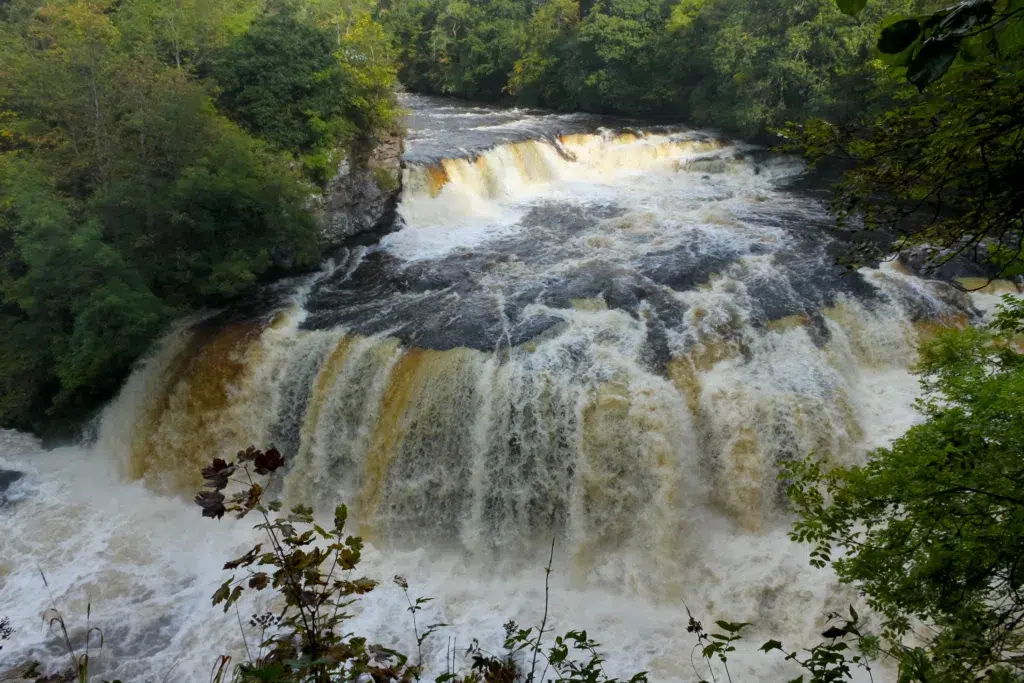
7 479
28 672
360 203
948 264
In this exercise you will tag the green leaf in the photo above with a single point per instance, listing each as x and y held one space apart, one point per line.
931 62
897 37
259 581
771 645
272 673
851 7
223 592
233 598
731 626
965 16
834 632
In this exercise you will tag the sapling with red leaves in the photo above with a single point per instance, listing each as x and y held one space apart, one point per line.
308 566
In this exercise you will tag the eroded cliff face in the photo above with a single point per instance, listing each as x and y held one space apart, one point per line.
360 202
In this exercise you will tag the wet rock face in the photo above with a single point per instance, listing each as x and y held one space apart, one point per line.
948 264
360 202
29 672
7 479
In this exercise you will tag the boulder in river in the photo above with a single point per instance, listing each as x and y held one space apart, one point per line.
7 479
28 672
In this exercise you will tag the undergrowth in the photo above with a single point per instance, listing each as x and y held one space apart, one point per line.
310 570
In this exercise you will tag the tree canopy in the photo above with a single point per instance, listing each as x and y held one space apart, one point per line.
938 169
931 529
148 167
742 66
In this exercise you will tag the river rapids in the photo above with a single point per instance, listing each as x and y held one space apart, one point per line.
604 334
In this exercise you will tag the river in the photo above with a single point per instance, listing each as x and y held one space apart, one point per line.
600 332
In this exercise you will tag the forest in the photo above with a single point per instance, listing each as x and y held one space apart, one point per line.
742 67
158 158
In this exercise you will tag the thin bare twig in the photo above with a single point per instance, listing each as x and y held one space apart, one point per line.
544 620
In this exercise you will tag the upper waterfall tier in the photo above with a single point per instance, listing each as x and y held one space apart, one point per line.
441 128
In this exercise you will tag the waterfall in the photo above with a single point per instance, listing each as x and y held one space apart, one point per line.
610 425
612 339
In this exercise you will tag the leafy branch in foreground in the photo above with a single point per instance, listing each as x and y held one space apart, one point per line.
931 529
834 659
937 172
926 45
415 607
305 564
940 173
57 627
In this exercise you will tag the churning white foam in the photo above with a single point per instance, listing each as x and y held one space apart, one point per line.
147 565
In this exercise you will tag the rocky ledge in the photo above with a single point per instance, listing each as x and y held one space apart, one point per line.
29 673
360 203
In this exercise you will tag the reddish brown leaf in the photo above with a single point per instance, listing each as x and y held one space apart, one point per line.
245 560
268 462
212 503
216 475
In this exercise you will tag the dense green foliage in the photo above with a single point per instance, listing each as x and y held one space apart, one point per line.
280 80
741 65
931 529
129 194
297 81
948 160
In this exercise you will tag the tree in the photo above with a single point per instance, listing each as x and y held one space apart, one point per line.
312 80
931 529
185 33
938 171
280 80
126 199
539 76
614 54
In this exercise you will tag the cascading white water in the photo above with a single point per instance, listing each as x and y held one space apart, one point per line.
611 340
